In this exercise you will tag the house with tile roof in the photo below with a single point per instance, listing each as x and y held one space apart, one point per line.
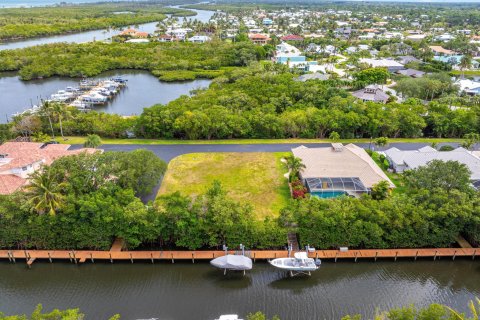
339 170
18 160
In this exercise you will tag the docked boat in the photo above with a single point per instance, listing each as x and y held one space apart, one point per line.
228 317
299 264
232 262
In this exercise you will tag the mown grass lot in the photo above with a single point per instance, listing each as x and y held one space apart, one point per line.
81 140
255 178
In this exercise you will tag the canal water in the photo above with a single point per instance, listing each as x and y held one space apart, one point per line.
185 291
143 90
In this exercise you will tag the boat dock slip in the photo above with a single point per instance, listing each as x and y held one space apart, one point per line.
81 256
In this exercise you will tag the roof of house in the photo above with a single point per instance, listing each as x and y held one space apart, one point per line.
258 36
440 49
378 63
21 154
421 157
371 93
411 73
313 76
340 162
9 183
292 37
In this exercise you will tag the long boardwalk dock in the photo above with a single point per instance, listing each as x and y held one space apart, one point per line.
82 256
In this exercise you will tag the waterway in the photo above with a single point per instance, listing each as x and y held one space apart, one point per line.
185 291
143 90
93 35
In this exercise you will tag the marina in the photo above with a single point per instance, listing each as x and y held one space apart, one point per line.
143 90
86 96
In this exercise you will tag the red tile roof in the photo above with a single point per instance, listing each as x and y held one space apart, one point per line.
9 183
292 37
21 154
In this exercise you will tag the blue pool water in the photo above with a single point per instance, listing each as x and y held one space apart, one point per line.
327 194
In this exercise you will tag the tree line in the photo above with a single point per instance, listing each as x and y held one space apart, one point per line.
20 23
86 201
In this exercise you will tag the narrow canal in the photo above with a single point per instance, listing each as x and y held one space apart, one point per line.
185 291
143 90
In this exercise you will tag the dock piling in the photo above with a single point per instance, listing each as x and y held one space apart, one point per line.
254 257
396 255
376 255
50 258
91 257
193 258
131 258
473 256
454 254
9 254
336 256
151 257
356 253
173 261
74 257
111 260
435 256
416 255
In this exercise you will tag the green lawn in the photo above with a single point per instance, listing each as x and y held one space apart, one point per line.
80 140
396 178
255 178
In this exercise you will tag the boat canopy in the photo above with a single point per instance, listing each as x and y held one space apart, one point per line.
301 255
232 262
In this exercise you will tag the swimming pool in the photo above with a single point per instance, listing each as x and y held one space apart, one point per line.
327 194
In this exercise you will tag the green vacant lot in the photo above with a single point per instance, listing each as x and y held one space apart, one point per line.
255 178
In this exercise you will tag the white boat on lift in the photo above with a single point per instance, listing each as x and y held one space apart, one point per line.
299 264
229 317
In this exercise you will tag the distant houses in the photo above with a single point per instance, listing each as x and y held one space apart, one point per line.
199 39
258 38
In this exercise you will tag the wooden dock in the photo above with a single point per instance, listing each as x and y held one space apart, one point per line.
82 256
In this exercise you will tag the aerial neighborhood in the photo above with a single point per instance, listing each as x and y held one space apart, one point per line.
270 140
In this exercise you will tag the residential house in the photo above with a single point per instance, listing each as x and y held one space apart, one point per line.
199 39
18 160
411 73
402 160
390 65
258 38
339 170
374 93
291 37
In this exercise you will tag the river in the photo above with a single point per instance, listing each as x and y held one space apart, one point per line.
93 35
143 90
185 291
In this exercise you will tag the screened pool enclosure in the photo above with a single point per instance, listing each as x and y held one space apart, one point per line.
334 187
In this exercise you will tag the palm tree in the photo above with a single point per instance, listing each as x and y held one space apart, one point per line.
92 141
44 192
294 165
465 63
60 110
46 110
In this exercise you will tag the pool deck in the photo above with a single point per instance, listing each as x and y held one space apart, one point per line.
82 256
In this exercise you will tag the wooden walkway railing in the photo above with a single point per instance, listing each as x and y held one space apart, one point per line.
29 256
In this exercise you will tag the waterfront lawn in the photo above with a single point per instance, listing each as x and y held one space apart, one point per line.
81 140
255 178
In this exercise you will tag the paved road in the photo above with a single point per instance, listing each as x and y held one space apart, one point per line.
169 151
